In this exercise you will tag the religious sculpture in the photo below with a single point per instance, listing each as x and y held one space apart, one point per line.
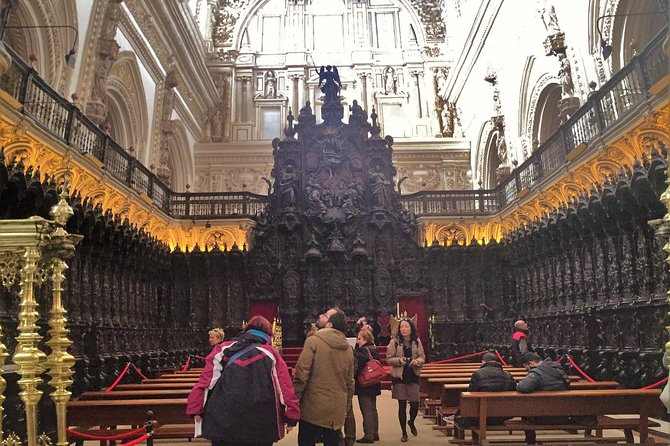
216 122
441 82
287 187
550 19
270 84
379 187
447 116
390 81
329 82
357 113
103 63
565 77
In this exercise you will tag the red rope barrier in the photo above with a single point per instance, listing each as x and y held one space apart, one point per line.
110 388
560 359
459 357
200 357
651 386
501 358
580 371
103 438
136 441
188 362
139 372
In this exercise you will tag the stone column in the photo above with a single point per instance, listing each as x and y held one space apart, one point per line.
301 92
364 89
239 100
167 124
416 75
246 98
295 102
106 52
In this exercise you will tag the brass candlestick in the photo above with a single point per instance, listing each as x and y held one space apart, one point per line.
3 383
59 362
27 356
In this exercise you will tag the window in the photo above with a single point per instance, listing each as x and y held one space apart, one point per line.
270 122
271 34
328 33
385 30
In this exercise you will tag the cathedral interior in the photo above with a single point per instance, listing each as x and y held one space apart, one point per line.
472 162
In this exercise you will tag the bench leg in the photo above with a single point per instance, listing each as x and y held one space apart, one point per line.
629 436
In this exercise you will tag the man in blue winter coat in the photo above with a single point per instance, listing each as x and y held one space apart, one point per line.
542 375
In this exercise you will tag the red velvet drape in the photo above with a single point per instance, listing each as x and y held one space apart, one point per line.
266 309
414 305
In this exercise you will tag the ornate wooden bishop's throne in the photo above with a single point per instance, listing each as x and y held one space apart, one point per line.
334 232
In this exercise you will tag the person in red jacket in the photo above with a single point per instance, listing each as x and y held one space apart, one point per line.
520 342
231 398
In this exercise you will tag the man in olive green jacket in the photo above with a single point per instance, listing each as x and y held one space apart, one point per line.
324 382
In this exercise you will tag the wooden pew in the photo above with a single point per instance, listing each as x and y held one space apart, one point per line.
642 402
156 386
169 380
168 412
126 412
170 392
451 396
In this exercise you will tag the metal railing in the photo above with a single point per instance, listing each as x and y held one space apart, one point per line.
615 100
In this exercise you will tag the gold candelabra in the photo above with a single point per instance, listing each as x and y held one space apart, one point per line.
30 249
277 340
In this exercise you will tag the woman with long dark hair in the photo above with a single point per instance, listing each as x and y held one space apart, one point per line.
406 356
367 396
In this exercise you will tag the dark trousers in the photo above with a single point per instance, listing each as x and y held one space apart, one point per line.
350 427
309 433
368 405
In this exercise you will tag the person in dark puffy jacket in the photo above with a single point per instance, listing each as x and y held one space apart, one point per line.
244 395
367 396
490 377
542 375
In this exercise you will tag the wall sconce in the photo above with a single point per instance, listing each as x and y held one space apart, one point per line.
605 47
70 57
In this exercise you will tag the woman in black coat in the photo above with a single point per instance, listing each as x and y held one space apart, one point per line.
367 396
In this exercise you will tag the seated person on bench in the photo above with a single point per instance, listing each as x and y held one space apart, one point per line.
490 377
542 375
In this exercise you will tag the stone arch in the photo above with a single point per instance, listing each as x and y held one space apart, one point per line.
48 45
446 233
242 23
180 160
543 116
127 105
638 29
491 161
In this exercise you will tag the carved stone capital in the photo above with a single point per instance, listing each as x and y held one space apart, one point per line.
554 44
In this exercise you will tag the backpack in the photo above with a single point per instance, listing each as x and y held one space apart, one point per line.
373 372
245 387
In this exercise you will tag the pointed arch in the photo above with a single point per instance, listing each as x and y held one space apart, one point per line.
127 104
48 46
181 161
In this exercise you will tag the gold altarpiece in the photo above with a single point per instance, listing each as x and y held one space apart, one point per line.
33 251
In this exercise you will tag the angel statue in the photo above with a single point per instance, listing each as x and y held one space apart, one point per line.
329 82
395 322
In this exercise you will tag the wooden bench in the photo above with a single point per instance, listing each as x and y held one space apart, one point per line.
157 386
135 394
169 413
599 403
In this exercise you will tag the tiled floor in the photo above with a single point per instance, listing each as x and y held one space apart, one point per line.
389 430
